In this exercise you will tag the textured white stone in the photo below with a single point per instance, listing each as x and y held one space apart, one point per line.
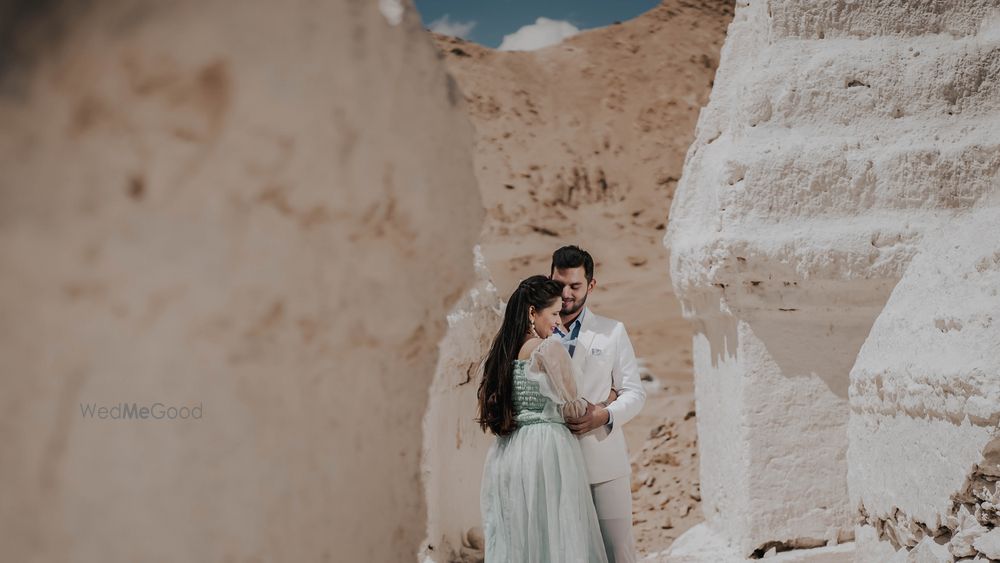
454 445
868 548
925 398
929 551
392 10
989 544
967 531
701 544
838 136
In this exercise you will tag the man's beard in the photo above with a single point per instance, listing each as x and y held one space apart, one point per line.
579 305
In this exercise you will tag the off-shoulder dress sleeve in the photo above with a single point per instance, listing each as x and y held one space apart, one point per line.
552 368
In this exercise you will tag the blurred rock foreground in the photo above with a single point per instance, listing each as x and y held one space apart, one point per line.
230 205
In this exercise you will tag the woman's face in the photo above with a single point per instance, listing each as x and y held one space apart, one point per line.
547 319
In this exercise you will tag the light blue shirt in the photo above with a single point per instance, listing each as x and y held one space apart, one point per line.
569 338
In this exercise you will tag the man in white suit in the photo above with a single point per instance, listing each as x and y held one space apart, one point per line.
603 354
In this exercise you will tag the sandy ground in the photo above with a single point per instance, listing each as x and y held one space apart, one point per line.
583 143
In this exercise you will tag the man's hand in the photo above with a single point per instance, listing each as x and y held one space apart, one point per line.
595 417
612 396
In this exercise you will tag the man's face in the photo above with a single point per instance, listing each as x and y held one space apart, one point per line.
575 290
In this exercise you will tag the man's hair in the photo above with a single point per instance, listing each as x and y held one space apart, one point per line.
573 257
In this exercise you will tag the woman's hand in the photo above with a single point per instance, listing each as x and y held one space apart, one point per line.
574 409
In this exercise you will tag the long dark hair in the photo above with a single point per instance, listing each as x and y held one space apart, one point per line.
496 397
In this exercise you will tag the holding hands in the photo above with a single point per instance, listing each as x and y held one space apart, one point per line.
594 417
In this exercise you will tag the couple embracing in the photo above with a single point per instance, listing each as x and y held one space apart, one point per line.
558 384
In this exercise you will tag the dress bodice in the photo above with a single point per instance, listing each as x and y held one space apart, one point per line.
529 403
527 396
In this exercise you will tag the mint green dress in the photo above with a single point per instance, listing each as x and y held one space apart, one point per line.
535 499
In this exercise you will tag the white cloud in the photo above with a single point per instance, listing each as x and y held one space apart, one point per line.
543 33
445 26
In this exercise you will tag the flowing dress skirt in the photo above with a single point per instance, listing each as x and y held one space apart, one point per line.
536 500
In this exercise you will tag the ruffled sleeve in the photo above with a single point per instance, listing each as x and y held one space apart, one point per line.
551 367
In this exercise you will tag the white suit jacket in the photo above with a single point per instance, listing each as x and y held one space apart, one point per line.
604 358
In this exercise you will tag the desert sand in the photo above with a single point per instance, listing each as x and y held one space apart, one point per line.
583 143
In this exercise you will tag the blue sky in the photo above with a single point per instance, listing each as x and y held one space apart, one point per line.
487 21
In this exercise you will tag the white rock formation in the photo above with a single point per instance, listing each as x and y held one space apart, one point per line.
837 135
989 544
924 457
454 445
701 544
262 209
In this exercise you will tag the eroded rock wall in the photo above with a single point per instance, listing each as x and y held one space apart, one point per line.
263 210
836 136
925 400
454 445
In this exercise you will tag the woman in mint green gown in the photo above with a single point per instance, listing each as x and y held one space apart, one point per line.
535 499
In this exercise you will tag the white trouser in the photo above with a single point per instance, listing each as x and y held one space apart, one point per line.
613 500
